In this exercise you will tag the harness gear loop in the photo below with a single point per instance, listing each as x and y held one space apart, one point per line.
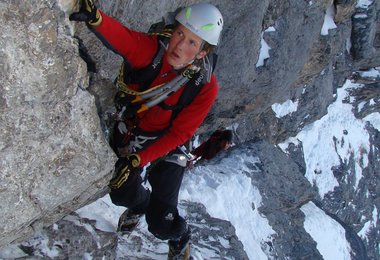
161 92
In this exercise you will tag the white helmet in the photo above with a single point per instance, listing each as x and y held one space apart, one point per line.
203 19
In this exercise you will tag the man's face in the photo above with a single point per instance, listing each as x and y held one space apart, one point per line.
184 47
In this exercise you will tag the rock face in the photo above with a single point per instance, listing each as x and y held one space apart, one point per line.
366 35
53 149
54 156
275 176
74 237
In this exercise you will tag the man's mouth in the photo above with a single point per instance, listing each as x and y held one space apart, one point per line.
175 55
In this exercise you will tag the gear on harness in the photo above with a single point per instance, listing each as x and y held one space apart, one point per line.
180 156
194 76
143 101
130 101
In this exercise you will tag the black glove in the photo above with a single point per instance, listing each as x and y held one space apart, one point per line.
131 111
87 13
131 104
122 100
124 167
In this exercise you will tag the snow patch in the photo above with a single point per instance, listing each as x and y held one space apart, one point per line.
361 106
285 108
364 232
332 139
329 20
372 73
360 16
374 120
104 212
229 195
364 3
284 146
348 45
264 50
326 232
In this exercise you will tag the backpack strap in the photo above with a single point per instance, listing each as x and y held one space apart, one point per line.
144 76
192 89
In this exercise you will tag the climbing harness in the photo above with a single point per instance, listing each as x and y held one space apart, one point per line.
133 102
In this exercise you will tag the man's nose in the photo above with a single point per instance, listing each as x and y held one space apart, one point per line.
181 44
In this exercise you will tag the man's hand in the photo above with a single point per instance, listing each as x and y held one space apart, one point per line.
124 167
122 99
87 13
128 106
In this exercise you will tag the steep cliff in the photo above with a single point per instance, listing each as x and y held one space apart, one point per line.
56 93
54 156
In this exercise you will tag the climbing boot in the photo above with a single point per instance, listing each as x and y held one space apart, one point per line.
180 249
128 221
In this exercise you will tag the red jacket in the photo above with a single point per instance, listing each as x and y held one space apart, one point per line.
139 49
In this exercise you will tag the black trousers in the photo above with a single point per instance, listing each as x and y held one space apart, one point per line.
159 205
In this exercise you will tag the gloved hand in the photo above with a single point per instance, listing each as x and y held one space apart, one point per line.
127 105
124 167
87 13
122 99
131 111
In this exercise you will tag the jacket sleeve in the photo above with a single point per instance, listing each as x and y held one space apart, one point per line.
184 125
197 152
137 47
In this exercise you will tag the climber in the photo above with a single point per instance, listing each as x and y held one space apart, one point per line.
166 88
220 140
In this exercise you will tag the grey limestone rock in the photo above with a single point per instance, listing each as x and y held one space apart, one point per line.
53 153
54 106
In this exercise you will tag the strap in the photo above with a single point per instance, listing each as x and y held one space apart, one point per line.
192 89
143 102
144 76
192 79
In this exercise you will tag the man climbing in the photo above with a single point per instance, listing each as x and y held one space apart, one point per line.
166 88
